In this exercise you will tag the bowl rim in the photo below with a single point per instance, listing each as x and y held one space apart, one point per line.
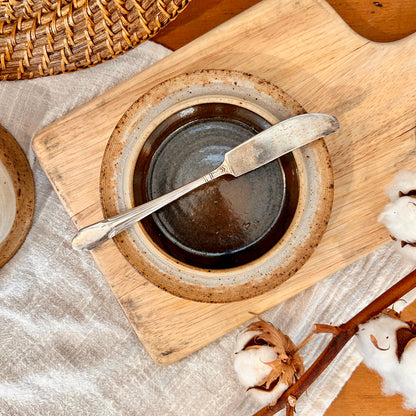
223 285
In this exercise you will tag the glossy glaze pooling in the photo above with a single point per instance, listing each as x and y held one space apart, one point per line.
230 221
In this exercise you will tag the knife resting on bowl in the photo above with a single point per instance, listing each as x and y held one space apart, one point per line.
264 147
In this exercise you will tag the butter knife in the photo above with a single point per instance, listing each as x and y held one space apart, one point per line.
270 144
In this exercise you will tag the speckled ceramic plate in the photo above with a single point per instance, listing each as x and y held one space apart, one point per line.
17 196
236 237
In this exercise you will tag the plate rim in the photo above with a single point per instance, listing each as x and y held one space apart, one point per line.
21 175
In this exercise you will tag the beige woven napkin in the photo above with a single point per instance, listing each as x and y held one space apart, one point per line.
66 346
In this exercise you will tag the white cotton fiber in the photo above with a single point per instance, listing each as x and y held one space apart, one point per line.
377 343
407 251
404 182
250 365
400 218
242 338
263 398
408 372
383 328
251 368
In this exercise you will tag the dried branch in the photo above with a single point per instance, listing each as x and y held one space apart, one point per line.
342 334
290 411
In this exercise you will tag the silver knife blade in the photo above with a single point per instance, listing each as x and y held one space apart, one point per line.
279 140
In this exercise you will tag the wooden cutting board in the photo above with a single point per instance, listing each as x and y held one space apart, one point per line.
305 48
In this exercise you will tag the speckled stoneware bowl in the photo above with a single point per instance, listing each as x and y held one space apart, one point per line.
234 238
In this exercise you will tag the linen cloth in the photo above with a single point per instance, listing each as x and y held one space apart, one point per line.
66 346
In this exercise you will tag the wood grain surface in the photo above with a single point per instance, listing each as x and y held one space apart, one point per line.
326 67
383 21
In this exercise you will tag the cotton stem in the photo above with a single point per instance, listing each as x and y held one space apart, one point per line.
340 337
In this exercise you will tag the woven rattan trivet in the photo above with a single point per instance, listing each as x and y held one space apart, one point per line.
47 37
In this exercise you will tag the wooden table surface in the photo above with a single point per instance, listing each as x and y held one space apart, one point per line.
382 21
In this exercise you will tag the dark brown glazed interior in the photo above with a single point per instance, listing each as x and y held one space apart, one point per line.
228 222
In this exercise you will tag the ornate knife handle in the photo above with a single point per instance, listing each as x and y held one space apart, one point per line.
95 234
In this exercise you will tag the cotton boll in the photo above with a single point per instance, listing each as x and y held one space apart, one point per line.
404 182
267 362
407 251
250 365
408 373
400 218
263 398
251 370
382 359
377 343
242 338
